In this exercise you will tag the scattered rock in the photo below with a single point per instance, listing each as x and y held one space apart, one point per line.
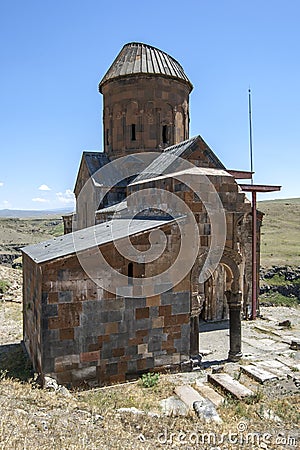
136 411
51 384
207 411
285 323
268 414
64 391
295 345
173 406
203 407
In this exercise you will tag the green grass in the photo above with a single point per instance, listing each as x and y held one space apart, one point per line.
280 239
277 299
4 286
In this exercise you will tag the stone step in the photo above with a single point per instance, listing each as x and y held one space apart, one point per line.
267 330
203 407
188 395
258 374
209 393
274 366
229 385
293 364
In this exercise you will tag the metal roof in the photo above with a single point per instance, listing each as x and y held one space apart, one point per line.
137 58
169 161
204 171
110 177
88 238
114 208
95 160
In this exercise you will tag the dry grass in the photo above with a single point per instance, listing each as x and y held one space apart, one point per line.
15 233
35 419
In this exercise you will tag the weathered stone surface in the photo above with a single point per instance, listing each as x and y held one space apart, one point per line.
258 374
229 385
293 364
276 367
203 407
209 393
173 406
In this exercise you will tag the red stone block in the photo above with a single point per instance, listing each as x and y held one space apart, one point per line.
65 334
89 356
53 297
165 310
141 364
118 351
141 333
142 313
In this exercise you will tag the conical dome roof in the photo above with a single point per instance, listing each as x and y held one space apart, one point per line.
137 58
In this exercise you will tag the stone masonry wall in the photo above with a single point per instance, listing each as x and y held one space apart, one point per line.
94 336
148 103
32 311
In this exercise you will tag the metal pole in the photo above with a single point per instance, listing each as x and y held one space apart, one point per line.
250 134
254 256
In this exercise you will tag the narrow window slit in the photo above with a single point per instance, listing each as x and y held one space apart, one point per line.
133 132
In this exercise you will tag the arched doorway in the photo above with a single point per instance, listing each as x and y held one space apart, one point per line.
217 299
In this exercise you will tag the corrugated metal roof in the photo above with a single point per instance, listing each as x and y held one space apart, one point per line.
138 58
88 238
167 162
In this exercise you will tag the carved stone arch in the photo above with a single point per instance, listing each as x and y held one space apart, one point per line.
150 112
197 290
231 259
131 111
117 111
167 113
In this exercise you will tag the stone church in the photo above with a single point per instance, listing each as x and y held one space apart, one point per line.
161 238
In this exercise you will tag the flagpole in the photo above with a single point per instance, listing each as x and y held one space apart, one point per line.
250 134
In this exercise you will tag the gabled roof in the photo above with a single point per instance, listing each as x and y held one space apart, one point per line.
88 238
121 206
137 58
170 160
95 160
198 171
89 164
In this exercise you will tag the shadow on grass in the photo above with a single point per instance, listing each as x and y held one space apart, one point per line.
14 362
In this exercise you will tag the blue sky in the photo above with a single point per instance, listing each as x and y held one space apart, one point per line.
54 53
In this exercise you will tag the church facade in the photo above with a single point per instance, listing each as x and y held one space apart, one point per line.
161 238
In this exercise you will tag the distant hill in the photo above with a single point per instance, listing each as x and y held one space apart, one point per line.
280 240
22 213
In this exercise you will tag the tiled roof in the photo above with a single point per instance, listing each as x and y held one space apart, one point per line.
137 58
